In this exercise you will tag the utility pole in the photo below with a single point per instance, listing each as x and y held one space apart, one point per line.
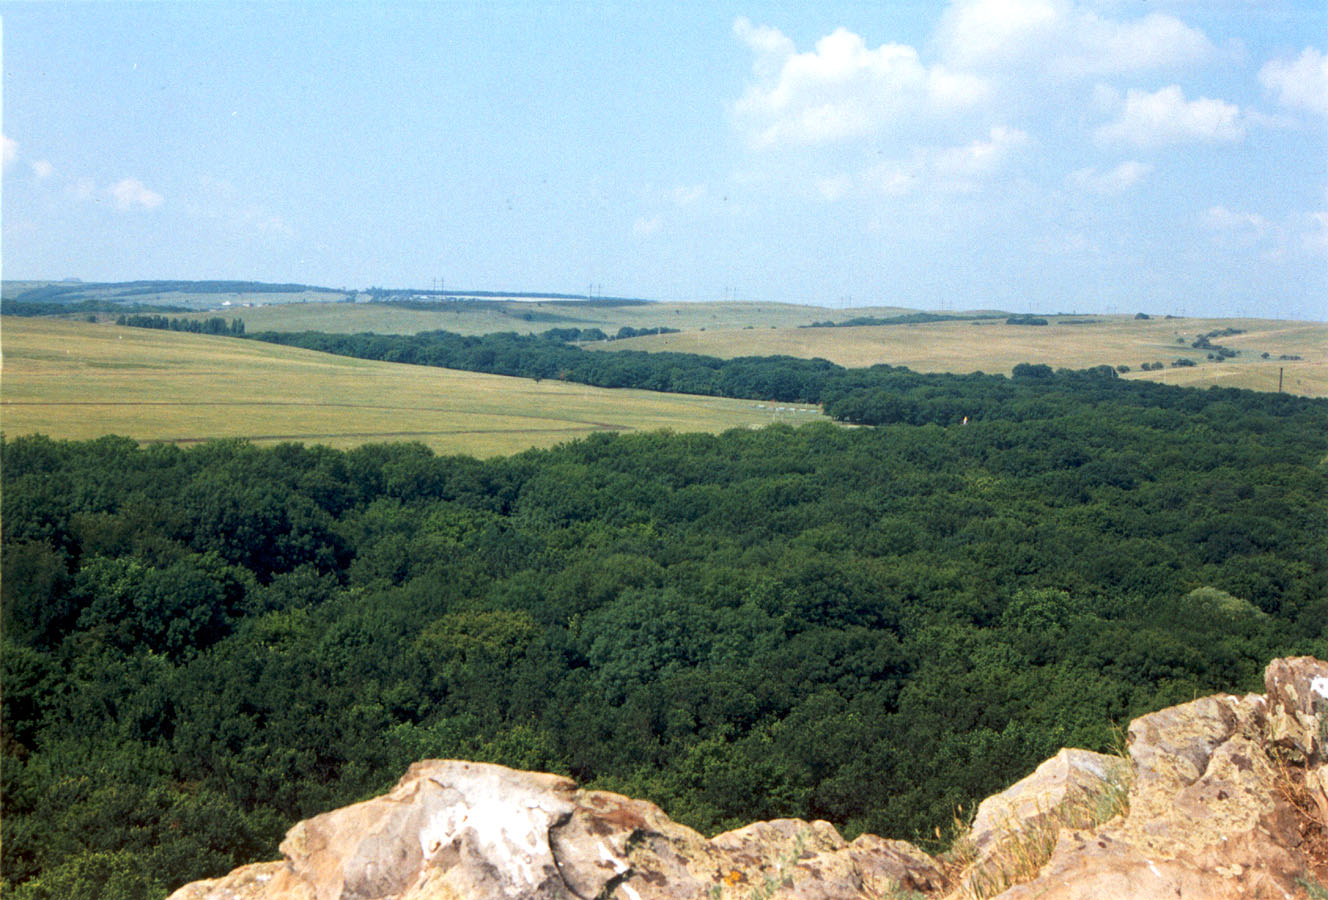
1279 379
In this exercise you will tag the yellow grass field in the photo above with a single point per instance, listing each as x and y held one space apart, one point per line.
994 347
77 380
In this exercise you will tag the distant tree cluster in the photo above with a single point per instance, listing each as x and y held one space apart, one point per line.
1216 351
214 325
1026 320
628 332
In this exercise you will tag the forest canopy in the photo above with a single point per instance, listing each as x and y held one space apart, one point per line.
870 625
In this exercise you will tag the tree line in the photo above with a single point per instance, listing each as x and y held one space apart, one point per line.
212 325
878 395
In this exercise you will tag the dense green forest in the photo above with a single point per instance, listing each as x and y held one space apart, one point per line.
870 624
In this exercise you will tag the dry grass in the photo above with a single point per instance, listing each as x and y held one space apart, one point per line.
1310 807
992 346
76 380
1026 845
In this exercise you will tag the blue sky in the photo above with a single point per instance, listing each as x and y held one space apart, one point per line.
1169 156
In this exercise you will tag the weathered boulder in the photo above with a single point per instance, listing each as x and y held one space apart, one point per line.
1223 797
453 829
1074 786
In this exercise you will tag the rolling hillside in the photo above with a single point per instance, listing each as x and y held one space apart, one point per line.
78 380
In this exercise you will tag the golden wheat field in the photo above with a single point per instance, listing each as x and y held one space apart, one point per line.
79 380
990 345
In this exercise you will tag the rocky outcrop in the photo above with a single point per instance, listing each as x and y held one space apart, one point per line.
454 829
1223 797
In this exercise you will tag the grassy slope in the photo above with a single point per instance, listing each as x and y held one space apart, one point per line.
76 380
993 346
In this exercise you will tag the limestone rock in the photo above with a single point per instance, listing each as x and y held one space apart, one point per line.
1070 787
1220 798
1297 692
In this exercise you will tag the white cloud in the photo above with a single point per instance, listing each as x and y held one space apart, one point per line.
1111 182
42 169
1166 117
8 150
771 46
130 193
1064 39
842 88
1301 83
994 33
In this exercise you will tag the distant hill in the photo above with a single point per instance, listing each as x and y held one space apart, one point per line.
47 297
206 295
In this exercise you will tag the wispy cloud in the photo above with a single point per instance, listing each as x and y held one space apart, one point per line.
1113 181
1314 236
1296 235
644 227
8 150
686 195
1221 219
219 200
131 194
981 157
43 169
934 170
1166 117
